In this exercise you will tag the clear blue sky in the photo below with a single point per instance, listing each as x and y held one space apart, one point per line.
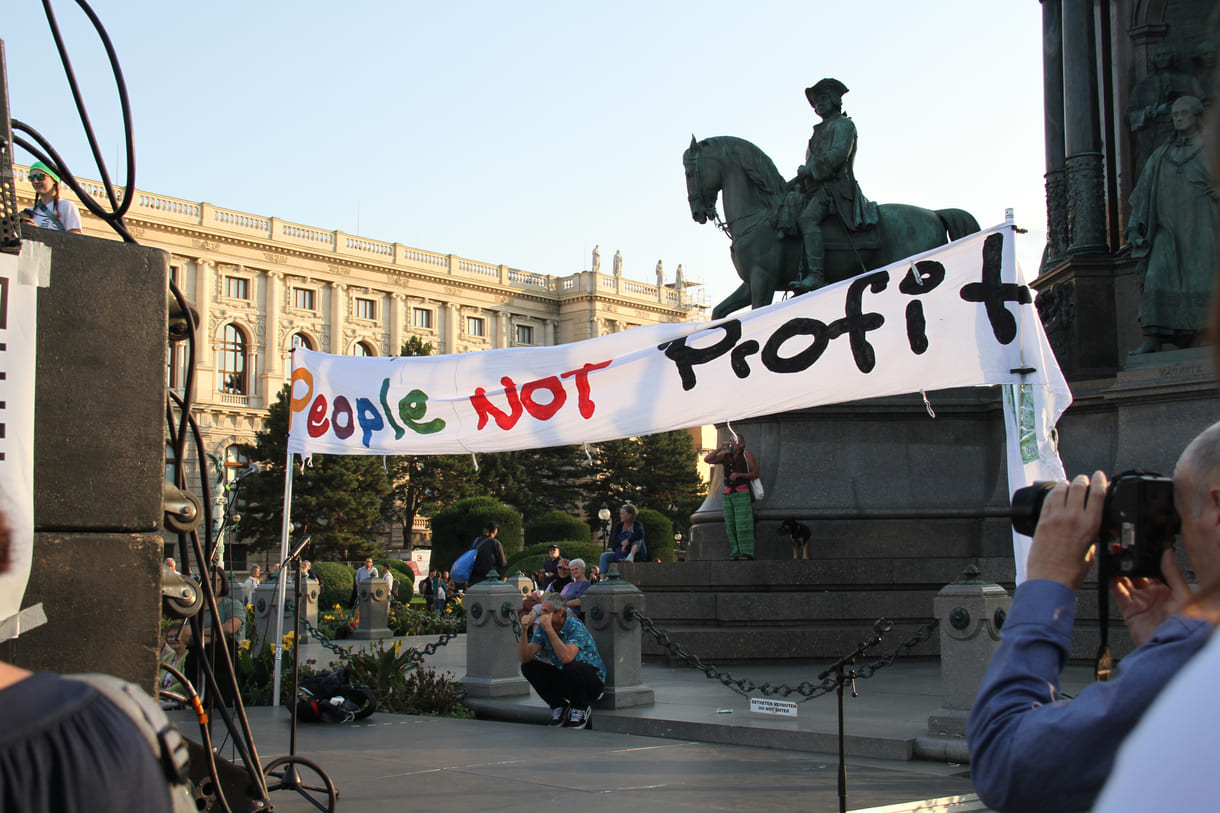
525 133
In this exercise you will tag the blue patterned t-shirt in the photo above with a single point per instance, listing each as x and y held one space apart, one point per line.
573 632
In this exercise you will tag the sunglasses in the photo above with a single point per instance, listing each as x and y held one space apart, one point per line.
36 177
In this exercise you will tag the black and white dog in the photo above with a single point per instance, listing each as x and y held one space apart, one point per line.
798 533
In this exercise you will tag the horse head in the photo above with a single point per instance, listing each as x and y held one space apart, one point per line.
702 183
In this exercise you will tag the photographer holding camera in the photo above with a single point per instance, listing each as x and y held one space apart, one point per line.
1030 748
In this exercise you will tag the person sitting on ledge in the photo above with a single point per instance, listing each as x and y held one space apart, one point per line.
561 661
628 536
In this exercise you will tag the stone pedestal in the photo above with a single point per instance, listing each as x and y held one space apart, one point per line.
373 596
492 666
264 602
971 612
617 636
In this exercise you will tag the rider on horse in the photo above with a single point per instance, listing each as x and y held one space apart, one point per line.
826 184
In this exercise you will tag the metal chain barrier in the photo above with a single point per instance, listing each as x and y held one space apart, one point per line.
744 686
416 655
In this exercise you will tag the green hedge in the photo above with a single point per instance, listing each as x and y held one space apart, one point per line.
555 526
338 580
456 526
658 534
535 556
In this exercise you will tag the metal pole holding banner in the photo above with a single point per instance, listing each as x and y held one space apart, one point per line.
280 585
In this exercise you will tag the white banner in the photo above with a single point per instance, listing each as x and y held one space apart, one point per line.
20 278
955 316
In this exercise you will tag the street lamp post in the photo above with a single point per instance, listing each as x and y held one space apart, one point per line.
603 514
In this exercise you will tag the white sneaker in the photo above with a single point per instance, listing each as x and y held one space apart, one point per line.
559 715
579 718
630 557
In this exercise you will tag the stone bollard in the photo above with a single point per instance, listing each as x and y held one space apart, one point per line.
971 612
373 597
264 611
618 640
492 666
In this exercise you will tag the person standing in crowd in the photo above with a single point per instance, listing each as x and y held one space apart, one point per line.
251 582
48 211
627 539
561 661
740 468
491 554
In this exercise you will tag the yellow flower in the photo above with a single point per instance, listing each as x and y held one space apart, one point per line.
244 646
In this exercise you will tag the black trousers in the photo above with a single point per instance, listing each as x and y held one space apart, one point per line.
576 684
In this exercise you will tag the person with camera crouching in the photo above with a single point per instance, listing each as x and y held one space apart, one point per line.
1032 749
560 660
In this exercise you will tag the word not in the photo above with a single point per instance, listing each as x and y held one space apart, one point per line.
341 417
526 400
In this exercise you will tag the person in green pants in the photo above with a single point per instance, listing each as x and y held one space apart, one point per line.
740 468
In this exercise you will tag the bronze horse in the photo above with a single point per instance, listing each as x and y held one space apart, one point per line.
766 262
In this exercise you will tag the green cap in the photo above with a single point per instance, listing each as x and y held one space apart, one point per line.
39 166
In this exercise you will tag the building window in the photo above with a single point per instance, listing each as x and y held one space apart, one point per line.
298 340
231 362
475 326
525 334
366 309
421 317
235 462
303 298
362 349
237 287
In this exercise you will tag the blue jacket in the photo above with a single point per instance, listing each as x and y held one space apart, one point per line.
1030 749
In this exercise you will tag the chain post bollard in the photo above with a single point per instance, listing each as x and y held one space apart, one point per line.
971 612
492 666
374 601
611 611
264 601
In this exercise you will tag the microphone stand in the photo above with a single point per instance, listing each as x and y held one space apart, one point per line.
838 668
290 778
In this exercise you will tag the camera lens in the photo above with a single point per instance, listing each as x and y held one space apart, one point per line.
1027 506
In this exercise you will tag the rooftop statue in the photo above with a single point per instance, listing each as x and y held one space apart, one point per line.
842 234
1172 232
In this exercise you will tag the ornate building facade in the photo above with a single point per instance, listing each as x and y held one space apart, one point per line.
262 285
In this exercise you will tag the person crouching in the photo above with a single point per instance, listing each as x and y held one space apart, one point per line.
561 661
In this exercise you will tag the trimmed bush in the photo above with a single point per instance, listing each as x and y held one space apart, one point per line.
337 580
555 526
456 526
658 534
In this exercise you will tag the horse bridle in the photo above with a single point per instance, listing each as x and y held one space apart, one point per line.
709 209
699 197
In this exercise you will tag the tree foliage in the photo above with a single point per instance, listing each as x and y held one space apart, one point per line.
336 499
654 471
535 481
423 484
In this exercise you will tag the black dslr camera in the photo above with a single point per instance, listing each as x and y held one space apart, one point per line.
1138 522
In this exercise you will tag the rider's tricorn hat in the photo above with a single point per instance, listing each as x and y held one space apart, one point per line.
832 86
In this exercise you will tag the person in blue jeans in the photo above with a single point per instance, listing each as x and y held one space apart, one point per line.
627 539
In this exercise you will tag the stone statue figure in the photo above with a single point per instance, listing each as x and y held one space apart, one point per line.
618 263
1148 109
1172 232
768 260
679 278
825 184
597 261
660 274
